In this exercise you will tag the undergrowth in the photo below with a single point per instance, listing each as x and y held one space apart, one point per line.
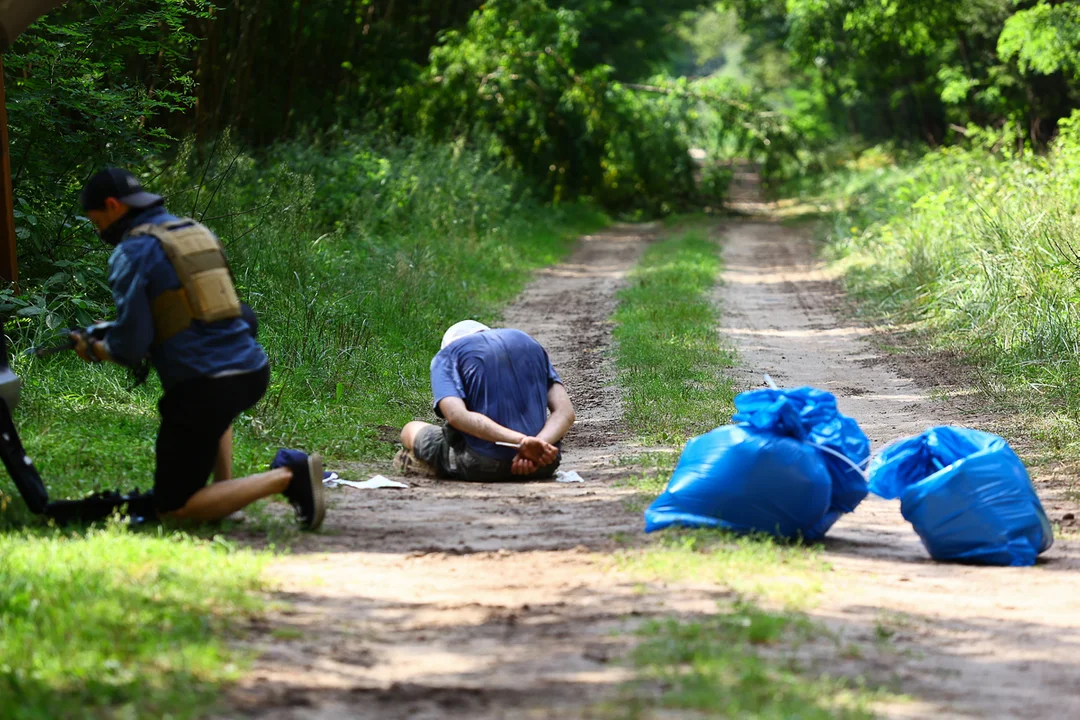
975 252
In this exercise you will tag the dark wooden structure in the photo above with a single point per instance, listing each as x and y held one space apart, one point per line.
15 16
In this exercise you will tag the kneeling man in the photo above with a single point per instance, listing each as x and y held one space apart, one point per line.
494 388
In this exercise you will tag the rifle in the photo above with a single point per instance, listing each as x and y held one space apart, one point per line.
94 332
137 506
97 331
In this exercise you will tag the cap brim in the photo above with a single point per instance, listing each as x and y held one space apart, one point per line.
140 199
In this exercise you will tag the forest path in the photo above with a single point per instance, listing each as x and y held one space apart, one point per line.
451 600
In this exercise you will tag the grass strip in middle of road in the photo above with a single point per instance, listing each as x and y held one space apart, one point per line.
669 359
741 661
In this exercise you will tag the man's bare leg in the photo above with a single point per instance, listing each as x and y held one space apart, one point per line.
223 465
221 499
406 462
410 431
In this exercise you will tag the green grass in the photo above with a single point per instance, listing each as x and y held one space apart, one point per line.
119 624
754 567
738 663
366 254
669 357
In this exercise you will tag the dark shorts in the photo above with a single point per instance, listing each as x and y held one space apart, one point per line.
444 448
194 415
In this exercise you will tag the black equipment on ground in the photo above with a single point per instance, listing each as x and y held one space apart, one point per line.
138 506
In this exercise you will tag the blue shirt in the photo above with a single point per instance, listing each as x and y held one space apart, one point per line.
139 271
503 374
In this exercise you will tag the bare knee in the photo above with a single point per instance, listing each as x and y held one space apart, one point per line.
410 431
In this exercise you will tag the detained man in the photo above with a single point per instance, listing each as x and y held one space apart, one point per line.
505 408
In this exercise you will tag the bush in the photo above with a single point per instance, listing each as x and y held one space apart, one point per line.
980 247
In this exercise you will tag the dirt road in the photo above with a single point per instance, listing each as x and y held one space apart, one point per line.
450 600
455 601
963 641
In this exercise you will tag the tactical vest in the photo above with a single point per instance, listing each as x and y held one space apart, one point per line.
206 291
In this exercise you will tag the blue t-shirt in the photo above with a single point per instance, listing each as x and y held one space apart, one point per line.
139 271
503 374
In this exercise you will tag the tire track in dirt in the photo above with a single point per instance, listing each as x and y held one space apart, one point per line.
451 600
962 641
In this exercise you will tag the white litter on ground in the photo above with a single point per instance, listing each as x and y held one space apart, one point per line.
568 477
374 483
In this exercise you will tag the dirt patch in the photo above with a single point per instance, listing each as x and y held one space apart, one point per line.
962 641
477 601
450 600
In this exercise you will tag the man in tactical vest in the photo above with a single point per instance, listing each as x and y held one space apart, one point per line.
175 301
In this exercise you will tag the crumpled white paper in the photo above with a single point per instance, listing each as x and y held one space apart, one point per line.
374 483
568 477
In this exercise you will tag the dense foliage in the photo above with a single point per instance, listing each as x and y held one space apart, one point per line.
978 249
83 88
920 69
510 75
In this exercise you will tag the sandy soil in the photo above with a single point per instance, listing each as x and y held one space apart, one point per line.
457 601
963 641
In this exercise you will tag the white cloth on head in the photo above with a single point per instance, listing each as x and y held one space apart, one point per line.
461 329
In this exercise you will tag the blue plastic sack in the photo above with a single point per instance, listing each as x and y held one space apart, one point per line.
967 495
769 472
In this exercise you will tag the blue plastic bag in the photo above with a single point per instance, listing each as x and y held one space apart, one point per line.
768 473
967 495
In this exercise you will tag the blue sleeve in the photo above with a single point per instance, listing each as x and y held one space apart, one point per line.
130 337
445 379
552 373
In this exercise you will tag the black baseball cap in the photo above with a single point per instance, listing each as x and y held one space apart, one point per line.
119 184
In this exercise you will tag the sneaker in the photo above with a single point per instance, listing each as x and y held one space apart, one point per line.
406 463
305 491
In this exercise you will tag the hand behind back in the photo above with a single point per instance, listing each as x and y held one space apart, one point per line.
533 454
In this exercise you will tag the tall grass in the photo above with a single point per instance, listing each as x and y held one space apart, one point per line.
979 252
356 256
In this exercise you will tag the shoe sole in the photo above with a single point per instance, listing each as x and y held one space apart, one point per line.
408 465
399 462
318 509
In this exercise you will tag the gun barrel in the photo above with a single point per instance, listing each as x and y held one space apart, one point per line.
48 350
